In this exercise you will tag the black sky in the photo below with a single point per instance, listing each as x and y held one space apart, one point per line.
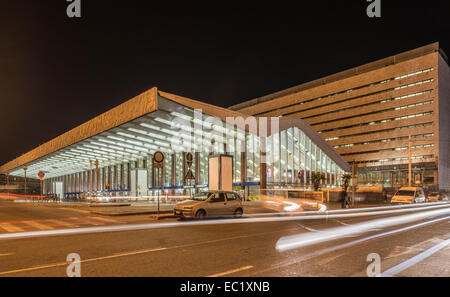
57 72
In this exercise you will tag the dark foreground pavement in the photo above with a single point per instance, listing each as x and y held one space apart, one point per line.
223 248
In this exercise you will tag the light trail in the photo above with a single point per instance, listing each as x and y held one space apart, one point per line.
347 244
349 210
302 240
414 260
148 226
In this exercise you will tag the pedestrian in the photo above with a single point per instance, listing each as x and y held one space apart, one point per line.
347 201
344 197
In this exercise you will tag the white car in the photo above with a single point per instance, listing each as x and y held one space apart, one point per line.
409 195
212 203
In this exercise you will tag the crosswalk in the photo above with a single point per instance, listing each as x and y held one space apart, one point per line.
52 224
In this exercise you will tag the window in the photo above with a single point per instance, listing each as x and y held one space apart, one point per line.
218 197
231 197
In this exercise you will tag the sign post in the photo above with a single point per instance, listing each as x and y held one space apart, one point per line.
189 175
158 161
41 175
25 179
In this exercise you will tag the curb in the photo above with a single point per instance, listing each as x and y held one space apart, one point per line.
131 213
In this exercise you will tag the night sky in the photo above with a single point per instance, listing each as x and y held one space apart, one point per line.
57 72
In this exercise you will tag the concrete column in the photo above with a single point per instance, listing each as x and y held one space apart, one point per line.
121 176
172 173
197 167
262 165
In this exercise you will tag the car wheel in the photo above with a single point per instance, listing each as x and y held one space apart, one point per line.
238 213
201 214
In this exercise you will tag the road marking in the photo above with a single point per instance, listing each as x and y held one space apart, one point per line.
75 209
329 259
307 239
82 261
149 226
144 251
342 223
231 271
62 223
307 228
40 226
104 219
10 227
414 260
315 254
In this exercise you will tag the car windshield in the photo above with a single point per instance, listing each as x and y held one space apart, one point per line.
405 193
434 194
201 196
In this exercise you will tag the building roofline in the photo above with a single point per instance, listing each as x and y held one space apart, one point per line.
146 103
404 56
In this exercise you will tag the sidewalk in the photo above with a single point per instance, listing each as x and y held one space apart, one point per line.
165 209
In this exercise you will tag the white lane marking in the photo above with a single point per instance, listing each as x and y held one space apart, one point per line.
307 228
146 251
104 219
82 261
148 226
345 245
37 225
342 223
414 260
231 271
10 227
62 223
302 240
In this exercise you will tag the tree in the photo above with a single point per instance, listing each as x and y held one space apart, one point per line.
316 178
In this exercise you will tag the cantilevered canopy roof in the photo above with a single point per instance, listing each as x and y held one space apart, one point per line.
153 121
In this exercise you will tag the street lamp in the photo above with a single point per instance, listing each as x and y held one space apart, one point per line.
25 187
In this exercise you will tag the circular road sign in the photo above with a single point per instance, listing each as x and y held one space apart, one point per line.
41 174
158 157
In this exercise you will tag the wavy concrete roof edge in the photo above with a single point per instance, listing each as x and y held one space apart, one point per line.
139 106
125 112
285 123
401 57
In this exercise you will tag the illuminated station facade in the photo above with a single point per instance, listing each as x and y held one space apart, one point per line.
368 114
112 153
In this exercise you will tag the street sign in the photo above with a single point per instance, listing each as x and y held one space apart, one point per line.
189 175
158 159
41 175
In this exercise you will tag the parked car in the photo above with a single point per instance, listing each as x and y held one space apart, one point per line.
212 203
436 196
409 195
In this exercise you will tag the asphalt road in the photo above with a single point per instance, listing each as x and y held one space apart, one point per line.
251 246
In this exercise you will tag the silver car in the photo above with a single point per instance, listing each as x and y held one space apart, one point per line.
212 204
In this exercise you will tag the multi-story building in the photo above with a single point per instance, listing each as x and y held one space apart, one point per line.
370 113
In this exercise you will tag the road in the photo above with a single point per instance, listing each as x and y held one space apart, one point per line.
409 242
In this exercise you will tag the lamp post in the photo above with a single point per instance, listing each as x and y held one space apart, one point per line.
409 162
25 183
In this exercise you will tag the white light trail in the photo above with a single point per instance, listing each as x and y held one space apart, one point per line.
414 260
205 222
302 240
